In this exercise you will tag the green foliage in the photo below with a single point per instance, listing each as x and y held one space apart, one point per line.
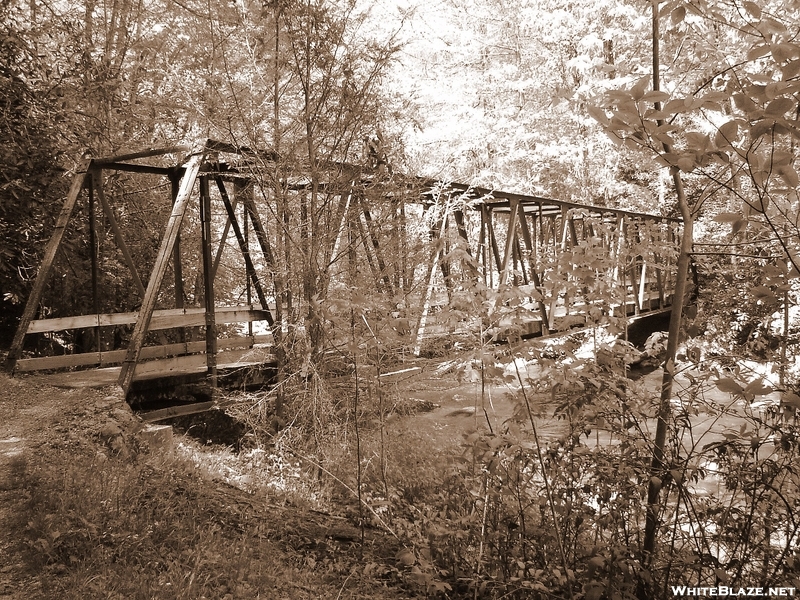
28 151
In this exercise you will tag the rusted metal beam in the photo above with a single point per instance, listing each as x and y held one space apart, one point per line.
248 261
528 239
208 280
135 168
119 238
489 216
47 262
373 235
94 252
458 216
159 269
499 200
362 234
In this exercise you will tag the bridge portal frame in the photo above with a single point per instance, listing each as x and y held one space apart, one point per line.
194 170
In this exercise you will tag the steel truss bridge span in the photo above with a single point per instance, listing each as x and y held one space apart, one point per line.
528 265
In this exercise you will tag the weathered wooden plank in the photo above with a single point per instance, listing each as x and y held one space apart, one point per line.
112 357
58 362
161 319
159 269
47 262
183 410
176 365
146 153
133 168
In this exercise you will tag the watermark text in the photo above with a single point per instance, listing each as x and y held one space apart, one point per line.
735 592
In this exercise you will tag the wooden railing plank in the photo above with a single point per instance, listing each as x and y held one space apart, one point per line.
114 357
162 319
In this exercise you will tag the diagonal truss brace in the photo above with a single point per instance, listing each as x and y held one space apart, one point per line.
162 260
47 262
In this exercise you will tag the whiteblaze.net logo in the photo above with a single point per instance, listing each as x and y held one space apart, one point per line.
732 592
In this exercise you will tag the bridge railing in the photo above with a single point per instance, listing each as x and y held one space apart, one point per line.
574 264
181 355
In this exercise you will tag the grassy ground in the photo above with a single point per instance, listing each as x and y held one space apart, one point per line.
87 511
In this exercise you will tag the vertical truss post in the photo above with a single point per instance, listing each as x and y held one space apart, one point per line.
659 265
407 275
162 258
224 238
518 257
341 223
458 216
559 245
362 234
482 248
528 238
94 251
177 262
249 287
208 280
510 236
493 241
492 238
444 262
47 263
617 254
643 287
261 233
119 238
572 232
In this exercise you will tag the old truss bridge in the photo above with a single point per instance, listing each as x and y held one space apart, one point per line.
543 265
